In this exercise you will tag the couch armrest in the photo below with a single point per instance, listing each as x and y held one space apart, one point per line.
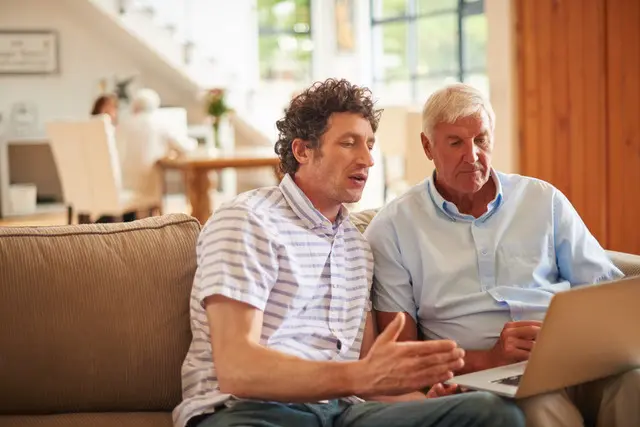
628 263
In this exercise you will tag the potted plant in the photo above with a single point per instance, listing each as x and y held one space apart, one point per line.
216 109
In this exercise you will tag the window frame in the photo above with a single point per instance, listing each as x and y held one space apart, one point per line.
274 31
462 10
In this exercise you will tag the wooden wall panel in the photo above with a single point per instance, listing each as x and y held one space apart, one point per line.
623 136
545 87
576 54
592 182
558 132
562 101
528 113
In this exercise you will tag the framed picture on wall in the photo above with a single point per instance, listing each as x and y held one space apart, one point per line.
345 26
28 52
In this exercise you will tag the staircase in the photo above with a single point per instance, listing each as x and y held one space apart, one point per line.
140 26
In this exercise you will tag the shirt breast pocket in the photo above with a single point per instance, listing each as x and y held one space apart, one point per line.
525 263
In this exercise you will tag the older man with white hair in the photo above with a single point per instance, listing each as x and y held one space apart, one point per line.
143 139
475 255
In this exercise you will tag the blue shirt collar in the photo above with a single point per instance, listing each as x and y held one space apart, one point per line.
451 210
304 209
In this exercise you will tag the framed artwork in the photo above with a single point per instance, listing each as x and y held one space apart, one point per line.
345 26
28 52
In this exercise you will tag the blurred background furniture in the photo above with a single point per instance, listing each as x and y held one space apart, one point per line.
86 157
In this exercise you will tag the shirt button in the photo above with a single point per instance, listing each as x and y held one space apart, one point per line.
484 252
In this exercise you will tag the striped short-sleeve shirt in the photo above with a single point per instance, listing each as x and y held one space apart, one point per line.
272 249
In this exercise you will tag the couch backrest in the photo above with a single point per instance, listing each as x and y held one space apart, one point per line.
95 318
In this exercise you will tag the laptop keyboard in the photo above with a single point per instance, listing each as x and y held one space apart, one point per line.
513 381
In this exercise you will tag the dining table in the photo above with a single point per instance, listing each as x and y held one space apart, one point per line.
196 168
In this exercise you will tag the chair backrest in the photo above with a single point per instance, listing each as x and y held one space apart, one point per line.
87 160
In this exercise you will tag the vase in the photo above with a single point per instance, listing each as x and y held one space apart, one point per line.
216 132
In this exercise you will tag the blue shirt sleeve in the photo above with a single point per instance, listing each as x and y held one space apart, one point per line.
392 290
580 258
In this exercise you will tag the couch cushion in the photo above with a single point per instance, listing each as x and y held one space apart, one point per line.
95 317
362 219
628 263
119 419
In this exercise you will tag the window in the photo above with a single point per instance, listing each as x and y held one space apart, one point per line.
285 45
419 45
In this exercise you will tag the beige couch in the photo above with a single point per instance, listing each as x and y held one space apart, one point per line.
95 324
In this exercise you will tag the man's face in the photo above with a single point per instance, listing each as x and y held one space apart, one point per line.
461 152
338 170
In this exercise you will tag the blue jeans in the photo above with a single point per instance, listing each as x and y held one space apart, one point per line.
463 410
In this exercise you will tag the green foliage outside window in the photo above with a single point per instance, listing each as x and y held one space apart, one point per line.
418 41
285 45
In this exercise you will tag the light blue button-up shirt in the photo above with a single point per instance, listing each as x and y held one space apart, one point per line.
463 278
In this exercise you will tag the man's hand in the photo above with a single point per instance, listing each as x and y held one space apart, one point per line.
442 389
515 344
391 367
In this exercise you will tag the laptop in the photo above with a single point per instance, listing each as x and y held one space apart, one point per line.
589 332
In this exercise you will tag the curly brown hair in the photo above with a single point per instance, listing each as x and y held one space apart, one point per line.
308 115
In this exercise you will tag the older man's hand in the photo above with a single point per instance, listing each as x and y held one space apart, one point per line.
516 342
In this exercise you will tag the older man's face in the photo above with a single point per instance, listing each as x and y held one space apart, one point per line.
461 152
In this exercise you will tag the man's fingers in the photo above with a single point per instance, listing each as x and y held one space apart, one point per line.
521 323
456 365
520 344
434 375
452 358
439 389
523 332
393 330
527 332
518 355
419 348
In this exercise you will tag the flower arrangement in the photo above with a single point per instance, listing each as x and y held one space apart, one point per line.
216 108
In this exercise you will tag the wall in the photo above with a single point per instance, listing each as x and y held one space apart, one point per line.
90 48
328 61
501 71
227 32
86 56
579 65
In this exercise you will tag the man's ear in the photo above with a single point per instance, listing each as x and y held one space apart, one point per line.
301 151
426 145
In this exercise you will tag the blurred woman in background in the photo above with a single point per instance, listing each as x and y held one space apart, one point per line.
106 104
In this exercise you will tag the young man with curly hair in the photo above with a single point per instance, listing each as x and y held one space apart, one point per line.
280 312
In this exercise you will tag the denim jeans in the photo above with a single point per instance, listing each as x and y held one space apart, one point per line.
463 410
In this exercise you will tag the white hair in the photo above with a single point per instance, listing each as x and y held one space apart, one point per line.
145 100
453 102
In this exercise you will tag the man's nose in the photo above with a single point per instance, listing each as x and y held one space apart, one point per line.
365 157
470 152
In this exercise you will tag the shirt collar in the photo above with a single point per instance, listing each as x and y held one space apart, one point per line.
304 209
451 210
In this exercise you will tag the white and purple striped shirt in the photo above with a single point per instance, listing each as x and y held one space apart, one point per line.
272 249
